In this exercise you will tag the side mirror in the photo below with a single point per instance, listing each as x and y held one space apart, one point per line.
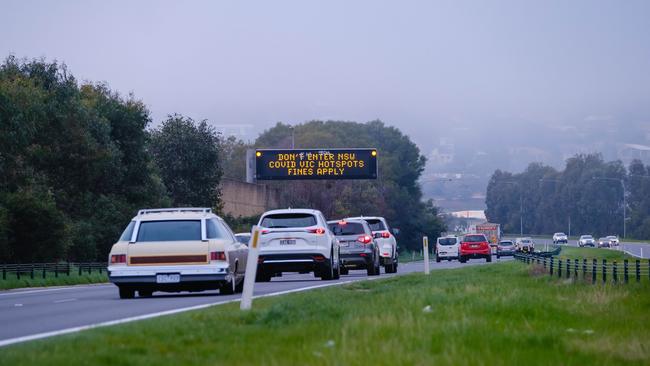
395 231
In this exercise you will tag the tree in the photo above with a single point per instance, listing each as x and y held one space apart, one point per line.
187 154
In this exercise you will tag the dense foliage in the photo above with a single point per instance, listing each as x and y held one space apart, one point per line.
73 164
187 154
587 195
395 194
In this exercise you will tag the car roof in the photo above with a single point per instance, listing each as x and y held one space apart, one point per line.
292 210
358 221
365 218
174 213
241 234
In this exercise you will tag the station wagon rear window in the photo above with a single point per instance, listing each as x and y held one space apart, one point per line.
474 238
288 220
172 230
349 228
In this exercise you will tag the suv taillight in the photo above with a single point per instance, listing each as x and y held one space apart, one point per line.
118 258
217 256
364 239
318 231
385 235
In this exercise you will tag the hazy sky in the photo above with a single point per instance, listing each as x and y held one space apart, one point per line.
412 64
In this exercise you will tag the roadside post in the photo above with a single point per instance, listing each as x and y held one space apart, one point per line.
425 251
251 271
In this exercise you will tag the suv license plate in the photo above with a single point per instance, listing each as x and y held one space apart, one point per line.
168 278
288 242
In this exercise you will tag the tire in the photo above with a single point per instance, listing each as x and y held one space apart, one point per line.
239 288
145 293
488 258
375 268
337 271
126 293
262 277
327 271
498 256
345 271
462 259
228 288
437 259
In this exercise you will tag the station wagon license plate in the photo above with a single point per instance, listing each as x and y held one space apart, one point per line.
288 242
168 278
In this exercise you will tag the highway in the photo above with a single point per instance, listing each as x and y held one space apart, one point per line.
640 250
38 313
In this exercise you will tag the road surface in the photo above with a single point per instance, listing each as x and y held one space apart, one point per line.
37 313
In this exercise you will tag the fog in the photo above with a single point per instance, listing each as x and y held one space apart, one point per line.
478 76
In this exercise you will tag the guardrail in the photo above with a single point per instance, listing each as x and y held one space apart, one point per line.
43 270
593 271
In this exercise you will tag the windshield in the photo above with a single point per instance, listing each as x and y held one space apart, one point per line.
505 243
447 241
348 228
243 238
587 237
288 220
611 237
169 230
474 238
376 225
560 234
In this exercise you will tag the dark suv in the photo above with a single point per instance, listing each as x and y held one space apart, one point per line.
358 247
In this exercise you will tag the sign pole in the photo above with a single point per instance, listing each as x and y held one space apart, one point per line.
425 250
251 271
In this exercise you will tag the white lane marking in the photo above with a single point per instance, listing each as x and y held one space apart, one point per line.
64 300
58 288
32 337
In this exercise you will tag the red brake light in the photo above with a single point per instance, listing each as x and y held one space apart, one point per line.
217 256
364 239
318 230
118 258
385 235
264 232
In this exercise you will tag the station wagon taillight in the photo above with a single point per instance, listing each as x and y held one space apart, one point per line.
364 239
118 258
217 256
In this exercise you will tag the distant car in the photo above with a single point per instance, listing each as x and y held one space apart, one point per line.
506 248
524 245
296 240
613 240
177 249
243 238
586 241
603 242
385 238
447 247
358 247
475 246
560 238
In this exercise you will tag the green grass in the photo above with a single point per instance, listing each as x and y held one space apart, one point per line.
503 314
591 253
411 257
63 280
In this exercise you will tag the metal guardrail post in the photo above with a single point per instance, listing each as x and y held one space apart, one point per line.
626 277
637 264
559 268
56 270
79 264
584 269
576 265
568 268
544 263
594 263
90 268
4 272
31 272
551 267
67 268
44 269
604 270
615 271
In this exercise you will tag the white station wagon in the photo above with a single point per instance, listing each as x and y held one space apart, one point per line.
177 249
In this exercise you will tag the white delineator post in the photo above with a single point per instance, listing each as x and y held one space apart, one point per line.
251 270
425 250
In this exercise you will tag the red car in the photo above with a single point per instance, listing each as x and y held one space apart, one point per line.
475 246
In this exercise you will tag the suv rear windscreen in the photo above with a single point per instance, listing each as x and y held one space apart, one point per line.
349 228
474 238
288 220
173 230
447 241
376 225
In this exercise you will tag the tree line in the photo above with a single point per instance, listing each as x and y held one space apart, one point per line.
587 197
77 160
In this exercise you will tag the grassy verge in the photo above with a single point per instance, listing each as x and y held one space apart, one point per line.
591 253
489 315
410 257
63 280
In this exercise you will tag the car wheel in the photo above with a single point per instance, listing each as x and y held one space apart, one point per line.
239 288
488 258
498 256
145 293
437 259
262 277
337 271
462 259
126 293
327 272
345 271
377 266
228 288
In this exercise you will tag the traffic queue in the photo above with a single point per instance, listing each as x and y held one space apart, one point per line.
192 249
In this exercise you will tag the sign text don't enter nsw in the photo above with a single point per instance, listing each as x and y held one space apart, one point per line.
297 164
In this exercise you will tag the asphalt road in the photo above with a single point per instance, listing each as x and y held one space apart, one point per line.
30 313
641 250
